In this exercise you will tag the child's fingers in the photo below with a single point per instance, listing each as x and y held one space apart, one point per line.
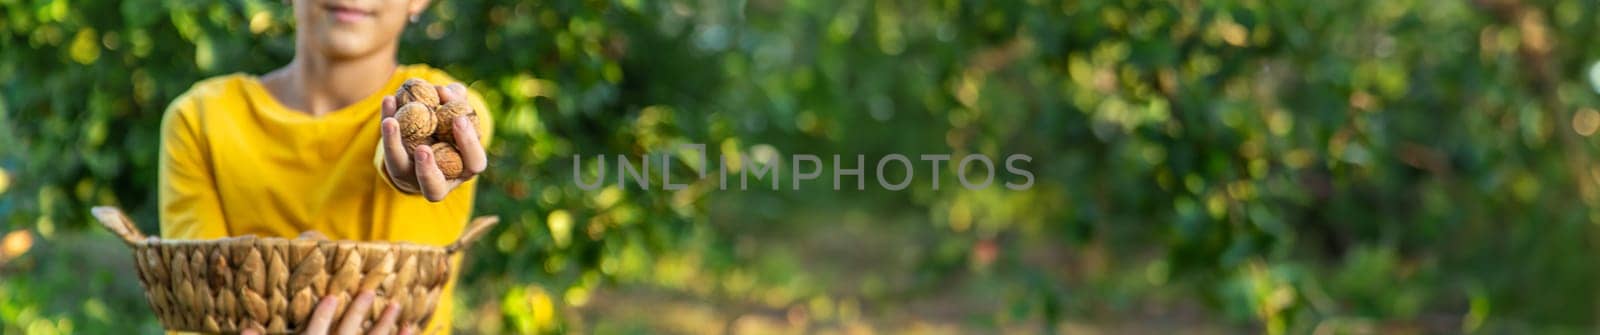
452 92
410 330
356 313
429 178
386 323
444 94
394 148
388 107
322 317
457 91
472 155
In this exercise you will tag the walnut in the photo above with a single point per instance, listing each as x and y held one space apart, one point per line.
415 120
447 114
419 91
448 159
412 143
416 125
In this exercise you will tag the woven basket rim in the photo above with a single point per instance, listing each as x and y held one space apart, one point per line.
410 246
118 223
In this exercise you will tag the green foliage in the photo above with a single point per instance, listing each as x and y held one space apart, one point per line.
1290 165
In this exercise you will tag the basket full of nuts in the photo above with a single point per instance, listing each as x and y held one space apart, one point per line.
233 284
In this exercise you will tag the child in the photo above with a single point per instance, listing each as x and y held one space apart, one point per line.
312 146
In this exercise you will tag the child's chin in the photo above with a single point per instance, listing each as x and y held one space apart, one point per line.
348 44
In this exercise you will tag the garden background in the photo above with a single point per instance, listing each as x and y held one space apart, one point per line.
1390 166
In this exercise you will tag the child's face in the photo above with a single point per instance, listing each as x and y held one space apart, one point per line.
344 29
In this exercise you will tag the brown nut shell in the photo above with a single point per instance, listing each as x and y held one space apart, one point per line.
418 91
412 143
446 115
416 120
416 125
448 158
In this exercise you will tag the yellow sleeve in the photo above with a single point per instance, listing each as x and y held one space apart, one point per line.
485 118
189 205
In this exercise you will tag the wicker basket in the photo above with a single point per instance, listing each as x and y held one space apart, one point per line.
231 284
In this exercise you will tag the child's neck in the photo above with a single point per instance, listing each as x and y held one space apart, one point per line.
319 85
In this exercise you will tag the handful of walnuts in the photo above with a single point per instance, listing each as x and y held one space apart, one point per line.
424 121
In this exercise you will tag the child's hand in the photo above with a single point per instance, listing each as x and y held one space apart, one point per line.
419 174
322 321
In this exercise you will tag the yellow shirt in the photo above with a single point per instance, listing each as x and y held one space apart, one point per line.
236 162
